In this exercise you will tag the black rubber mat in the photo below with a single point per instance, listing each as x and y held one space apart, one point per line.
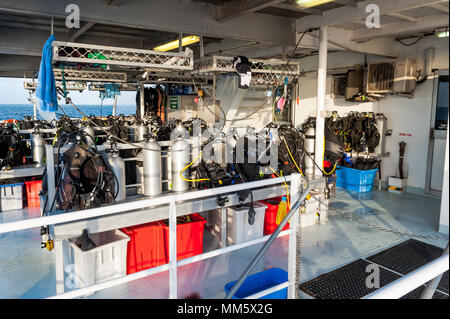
409 256
349 282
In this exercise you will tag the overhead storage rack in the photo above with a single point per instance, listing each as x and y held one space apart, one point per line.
264 72
89 75
123 57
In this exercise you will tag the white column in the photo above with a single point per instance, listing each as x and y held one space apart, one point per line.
142 100
115 106
321 87
173 281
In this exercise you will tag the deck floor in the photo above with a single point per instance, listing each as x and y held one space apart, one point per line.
26 271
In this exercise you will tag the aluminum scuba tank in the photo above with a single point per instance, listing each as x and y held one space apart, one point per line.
179 160
141 131
89 135
38 149
310 136
140 173
117 165
152 167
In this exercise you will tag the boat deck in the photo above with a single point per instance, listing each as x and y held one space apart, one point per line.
26 271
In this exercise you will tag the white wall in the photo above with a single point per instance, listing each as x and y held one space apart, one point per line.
405 115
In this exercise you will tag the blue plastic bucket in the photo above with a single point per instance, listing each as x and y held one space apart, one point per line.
355 179
259 282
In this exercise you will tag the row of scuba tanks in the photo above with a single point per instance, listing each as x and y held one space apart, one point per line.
151 163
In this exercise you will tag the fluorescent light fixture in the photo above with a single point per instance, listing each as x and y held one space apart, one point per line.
174 44
304 4
443 34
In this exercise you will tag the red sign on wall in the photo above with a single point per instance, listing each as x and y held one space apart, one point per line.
405 134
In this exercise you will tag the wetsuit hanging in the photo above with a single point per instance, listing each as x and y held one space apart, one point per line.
244 69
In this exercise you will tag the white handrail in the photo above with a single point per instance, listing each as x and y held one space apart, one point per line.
123 207
413 280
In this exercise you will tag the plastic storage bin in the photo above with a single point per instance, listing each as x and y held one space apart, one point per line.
33 188
270 217
146 247
189 237
238 227
354 179
259 282
106 261
11 197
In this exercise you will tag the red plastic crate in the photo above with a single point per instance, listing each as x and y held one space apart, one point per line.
189 237
146 247
270 219
33 189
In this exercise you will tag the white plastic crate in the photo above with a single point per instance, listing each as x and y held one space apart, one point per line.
238 228
105 262
11 197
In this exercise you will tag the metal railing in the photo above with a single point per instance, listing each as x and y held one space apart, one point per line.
173 264
413 280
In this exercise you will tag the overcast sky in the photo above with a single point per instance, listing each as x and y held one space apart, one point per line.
12 92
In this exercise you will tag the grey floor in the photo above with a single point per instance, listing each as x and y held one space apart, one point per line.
26 271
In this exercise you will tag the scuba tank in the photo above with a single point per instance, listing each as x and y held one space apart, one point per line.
38 148
140 172
179 160
310 136
151 156
89 135
117 165
141 131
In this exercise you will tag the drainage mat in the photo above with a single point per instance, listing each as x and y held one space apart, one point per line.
349 282
409 256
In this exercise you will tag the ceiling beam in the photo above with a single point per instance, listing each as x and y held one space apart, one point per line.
79 32
439 7
174 16
350 3
402 16
398 28
349 14
233 9
292 7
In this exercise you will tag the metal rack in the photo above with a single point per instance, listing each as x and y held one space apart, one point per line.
89 75
122 57
264 72
70 85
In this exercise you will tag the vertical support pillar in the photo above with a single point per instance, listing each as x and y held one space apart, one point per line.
294 254
173 280
34 111
59 266
321 87
142 100
50 175
180 42
223 216
115 106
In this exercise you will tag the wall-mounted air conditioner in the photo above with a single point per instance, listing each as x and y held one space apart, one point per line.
392 77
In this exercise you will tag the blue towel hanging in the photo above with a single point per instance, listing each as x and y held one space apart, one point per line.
46 87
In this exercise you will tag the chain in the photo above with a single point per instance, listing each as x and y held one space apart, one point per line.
387 230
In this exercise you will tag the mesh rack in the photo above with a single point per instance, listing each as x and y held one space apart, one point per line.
264 72
70 86
125 57
89 75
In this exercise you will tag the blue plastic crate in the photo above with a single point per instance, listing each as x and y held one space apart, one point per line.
261 281
355 179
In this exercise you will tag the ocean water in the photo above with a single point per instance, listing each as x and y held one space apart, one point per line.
18 111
